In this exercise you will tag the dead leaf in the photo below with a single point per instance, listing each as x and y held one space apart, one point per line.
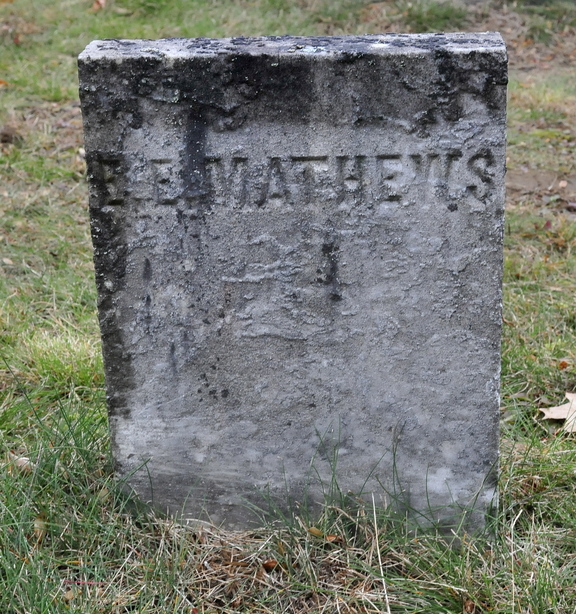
23 463
562 184
563 364
471 608
9 134
98 5
103 494
40 527
69 595
316 532
335 539
566 412
270 565
7 261
3 83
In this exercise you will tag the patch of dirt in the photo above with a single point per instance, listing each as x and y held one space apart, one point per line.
51 129
14 29
543 189
524 53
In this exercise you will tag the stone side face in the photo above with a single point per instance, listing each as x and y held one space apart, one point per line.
298 251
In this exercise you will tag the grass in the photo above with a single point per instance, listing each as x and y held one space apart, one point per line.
72 540
432 15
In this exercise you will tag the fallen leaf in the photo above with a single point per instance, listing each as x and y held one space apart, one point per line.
40 527
316 532
563 364
563 184
471 608
335 539
98 5
69 595
21 462
270 565
9 134
3 83
566 412
103 494
7 261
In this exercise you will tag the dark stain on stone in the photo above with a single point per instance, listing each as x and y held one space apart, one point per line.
330 251
192 157
110 255
147 313
173 362
455 78
225 90
147 272
450 77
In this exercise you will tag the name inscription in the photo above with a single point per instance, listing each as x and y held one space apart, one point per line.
248 182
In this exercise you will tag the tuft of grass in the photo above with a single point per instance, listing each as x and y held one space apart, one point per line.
432 15
547 18
62 360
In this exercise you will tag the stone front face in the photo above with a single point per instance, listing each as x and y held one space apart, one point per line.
298 249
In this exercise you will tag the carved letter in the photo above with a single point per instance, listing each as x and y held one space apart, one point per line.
350 180
275 187
108 173
227 181
481 165
389 167
312 176
167 184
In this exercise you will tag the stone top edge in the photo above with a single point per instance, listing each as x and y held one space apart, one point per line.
379 44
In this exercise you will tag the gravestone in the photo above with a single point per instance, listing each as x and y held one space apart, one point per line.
298 252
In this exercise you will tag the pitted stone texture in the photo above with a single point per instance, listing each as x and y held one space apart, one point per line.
298 249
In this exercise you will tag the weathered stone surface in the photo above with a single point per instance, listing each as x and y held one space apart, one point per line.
298 249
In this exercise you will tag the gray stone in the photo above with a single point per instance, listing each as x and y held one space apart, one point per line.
298 251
